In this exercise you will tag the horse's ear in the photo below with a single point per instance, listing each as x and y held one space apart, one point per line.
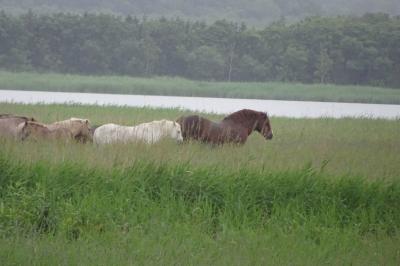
87 121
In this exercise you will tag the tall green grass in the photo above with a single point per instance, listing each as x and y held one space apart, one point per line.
324 191
173 213
183 87
37 197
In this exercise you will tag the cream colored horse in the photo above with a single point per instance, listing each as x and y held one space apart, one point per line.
38 131
147 132
80 128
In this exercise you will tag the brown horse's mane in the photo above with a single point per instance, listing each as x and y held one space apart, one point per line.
242 116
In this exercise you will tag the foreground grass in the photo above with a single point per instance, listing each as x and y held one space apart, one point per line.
147 212
324 191
183 244
183 87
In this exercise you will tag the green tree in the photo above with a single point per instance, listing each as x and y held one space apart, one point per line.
249 69
324 66
294 63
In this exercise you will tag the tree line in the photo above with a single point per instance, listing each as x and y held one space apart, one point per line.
342 50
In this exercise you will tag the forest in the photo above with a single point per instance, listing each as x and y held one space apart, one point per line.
361 50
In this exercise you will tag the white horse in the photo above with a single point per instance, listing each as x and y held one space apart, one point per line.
147 132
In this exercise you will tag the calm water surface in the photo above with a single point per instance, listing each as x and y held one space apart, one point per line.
297 109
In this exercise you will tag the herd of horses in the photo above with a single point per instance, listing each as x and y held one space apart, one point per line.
234 128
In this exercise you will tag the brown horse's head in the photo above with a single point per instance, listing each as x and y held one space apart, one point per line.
80 128
83 130
264 126
28 128
251 120
23 131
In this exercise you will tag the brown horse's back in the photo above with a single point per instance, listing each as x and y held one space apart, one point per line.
9 124
37 131
2 116
219 133
11 116
195 127
63 134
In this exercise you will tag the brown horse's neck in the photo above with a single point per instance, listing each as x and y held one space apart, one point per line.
244 118
38 130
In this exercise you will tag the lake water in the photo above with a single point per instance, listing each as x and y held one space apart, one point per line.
296 109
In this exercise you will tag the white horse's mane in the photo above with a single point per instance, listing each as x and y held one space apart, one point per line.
71 120
78 119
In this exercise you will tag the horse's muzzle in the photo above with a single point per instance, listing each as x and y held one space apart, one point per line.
269 135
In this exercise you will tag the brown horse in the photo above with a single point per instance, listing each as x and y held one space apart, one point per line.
234 128
79 127
9 123
37 131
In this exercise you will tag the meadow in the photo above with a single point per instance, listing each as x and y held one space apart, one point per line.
175 86
323 191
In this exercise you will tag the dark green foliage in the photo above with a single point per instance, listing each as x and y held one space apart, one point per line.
340 50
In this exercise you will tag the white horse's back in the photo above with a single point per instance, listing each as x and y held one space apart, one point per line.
110 133
147 132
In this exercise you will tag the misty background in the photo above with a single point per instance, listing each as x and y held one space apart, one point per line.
253 12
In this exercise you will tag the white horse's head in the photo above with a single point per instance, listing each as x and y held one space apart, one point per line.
174 130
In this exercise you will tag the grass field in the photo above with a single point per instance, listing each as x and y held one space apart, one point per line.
183 87
323 191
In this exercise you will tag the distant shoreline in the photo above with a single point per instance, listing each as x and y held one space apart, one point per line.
174 86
